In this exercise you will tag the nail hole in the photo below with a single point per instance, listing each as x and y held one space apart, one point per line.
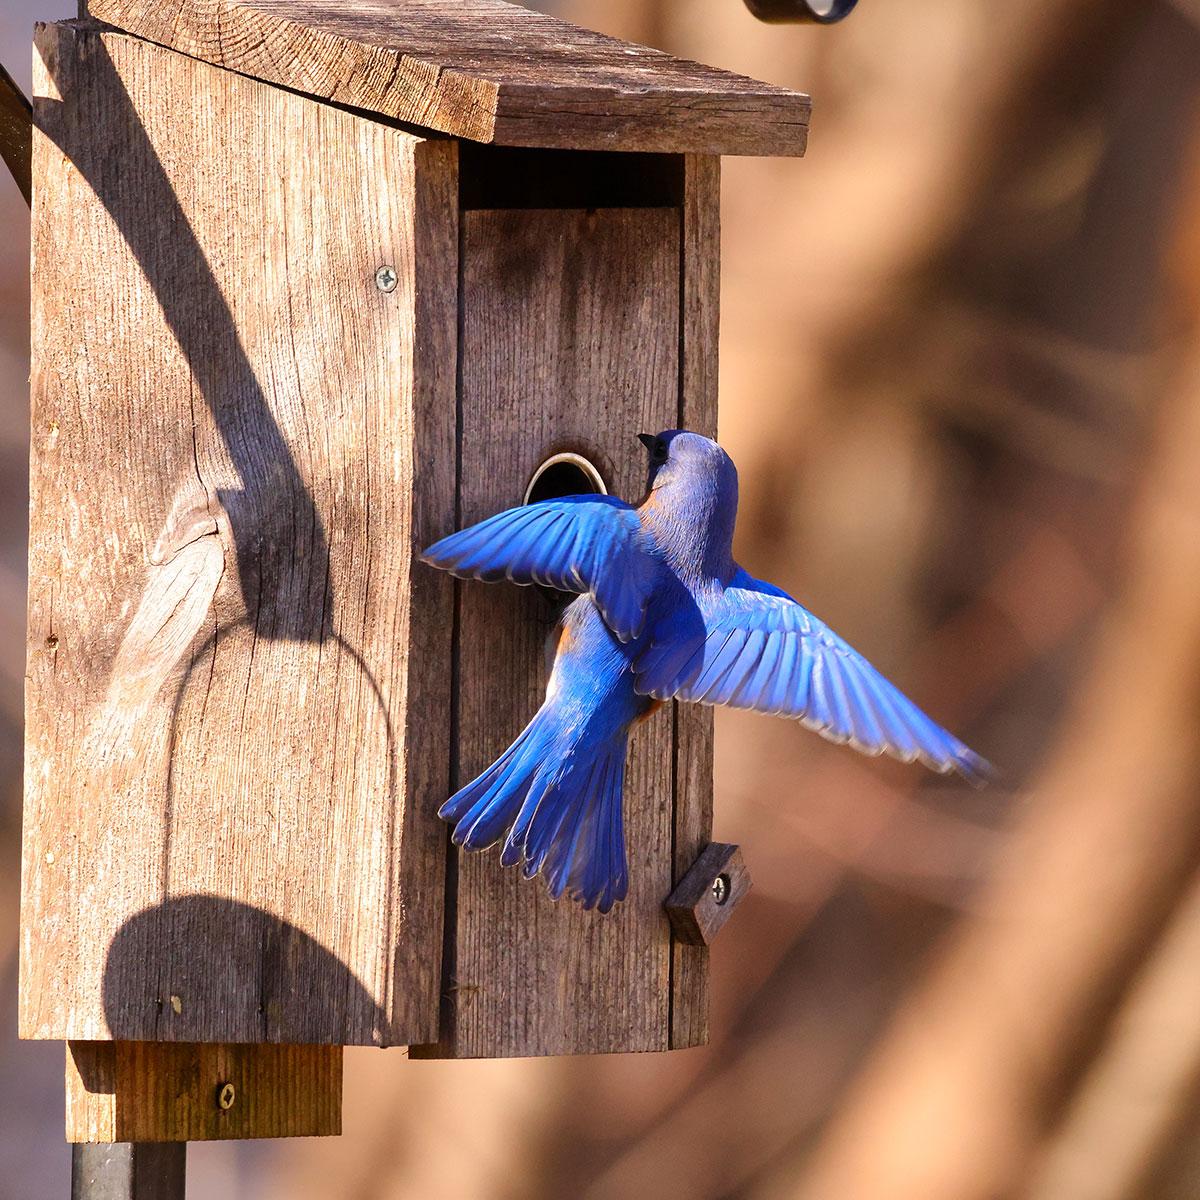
564 474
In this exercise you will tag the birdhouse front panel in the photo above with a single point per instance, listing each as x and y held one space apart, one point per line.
570 342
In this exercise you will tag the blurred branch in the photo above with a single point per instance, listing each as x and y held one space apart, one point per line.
1188 8
1141 1089
974 1072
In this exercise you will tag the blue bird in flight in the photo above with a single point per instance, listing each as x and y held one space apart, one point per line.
663 612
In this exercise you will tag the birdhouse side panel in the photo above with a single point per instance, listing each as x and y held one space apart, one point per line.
243 426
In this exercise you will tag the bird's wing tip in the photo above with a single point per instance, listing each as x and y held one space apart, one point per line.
976 769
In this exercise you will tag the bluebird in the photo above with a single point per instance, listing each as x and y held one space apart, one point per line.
662 612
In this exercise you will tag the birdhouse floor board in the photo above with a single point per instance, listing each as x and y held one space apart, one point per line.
479 69
148 1092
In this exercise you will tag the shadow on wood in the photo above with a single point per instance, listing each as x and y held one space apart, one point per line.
276 527
253 977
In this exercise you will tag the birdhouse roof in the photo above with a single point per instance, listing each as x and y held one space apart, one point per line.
479 69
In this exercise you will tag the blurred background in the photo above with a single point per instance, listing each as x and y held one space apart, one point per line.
960 373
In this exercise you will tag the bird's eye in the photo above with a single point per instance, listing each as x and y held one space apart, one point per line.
659 453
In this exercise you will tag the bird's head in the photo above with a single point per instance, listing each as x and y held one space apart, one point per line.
683 460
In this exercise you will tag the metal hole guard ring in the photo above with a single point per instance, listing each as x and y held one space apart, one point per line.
704 899
568 458
780 12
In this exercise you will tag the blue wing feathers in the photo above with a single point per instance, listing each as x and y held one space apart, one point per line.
851 717
775 687
764 651
593 544
894 729
718 658
799 682
737 662
756 679
868 727
820 706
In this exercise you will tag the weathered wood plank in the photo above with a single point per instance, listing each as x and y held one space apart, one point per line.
570 341
183 1092
699 336
480 69
237 703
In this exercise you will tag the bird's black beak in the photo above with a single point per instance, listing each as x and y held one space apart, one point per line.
647 440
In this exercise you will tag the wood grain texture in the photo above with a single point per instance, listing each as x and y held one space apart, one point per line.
570 341
237 696
16 132
184 1092
479 69
700 293
704 899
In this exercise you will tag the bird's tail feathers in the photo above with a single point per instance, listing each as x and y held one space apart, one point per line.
558 797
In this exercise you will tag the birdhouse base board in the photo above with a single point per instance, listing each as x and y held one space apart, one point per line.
186 1092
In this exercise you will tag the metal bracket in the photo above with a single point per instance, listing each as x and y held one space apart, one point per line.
706 896
820 12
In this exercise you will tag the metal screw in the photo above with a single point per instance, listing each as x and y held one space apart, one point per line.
226 1095
720 889
386 279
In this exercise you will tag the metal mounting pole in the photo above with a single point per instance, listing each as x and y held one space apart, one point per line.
128 1171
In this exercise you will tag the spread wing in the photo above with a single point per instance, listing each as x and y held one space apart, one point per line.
762 650
593 544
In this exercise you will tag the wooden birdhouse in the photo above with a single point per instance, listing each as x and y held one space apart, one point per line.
315 283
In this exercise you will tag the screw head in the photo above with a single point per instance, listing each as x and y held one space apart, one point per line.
720 889
386 279
226 1095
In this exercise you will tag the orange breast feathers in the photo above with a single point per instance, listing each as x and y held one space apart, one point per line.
566 639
